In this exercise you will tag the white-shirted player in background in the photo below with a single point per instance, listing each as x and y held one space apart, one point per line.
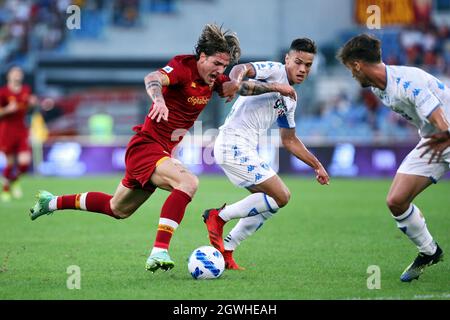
425 102
235 149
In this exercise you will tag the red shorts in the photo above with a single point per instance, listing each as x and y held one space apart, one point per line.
142 157
14 143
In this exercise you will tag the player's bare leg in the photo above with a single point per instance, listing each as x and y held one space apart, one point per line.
411 222
23 163
121 205
8 178
171 176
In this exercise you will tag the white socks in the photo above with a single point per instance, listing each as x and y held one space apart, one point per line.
52 204
253 210
242 230
412 223
251 205
156 250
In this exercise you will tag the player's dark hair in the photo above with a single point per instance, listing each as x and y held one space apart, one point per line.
214 40
303 44
362 47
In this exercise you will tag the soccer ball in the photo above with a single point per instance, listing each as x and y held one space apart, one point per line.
206 262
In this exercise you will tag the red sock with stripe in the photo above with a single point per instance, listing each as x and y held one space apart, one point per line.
172 213
90 201
9 177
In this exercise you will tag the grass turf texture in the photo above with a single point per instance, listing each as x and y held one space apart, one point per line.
318 247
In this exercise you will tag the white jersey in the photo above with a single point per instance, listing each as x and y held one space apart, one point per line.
254 115
414 94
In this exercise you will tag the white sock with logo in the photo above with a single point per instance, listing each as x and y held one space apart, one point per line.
251 205
412 223
244 229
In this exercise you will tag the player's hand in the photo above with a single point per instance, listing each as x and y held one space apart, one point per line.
229 90
47 103
437 143
159 111
322 176
33 100
287 91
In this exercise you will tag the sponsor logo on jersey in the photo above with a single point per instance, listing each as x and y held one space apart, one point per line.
168 69
197 100
280 107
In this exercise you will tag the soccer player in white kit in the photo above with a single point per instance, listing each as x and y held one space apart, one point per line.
424 101
235 148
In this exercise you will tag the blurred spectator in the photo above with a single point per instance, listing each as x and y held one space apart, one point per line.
126 13
427 48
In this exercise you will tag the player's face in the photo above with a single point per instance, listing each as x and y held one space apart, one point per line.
210 67
15 75
356 68
298 65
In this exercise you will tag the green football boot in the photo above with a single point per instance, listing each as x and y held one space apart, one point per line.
41 206
159 260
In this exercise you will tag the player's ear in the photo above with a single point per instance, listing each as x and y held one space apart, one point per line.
356 65
286 58
203 56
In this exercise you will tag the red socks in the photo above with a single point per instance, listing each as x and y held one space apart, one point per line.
172 213
89 201
9 177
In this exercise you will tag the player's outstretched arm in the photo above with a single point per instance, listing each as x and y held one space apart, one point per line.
252 88
293 144
237 74
154 82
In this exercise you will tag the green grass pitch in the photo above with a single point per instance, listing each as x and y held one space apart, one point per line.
318 247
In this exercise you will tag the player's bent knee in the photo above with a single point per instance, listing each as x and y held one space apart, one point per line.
283 199
189 184
396 204
120 213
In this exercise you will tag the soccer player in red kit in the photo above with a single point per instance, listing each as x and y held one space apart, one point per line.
179 91
15 99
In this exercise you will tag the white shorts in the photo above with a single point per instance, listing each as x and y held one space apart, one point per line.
240 161
414 164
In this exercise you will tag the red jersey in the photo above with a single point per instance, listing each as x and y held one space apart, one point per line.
14 123
185 96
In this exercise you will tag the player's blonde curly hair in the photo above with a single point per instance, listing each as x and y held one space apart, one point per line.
213 40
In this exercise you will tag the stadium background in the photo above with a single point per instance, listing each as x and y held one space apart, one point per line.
95 76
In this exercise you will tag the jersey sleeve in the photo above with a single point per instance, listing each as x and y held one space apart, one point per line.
3 98
424 100
176 72
287 119
267 70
